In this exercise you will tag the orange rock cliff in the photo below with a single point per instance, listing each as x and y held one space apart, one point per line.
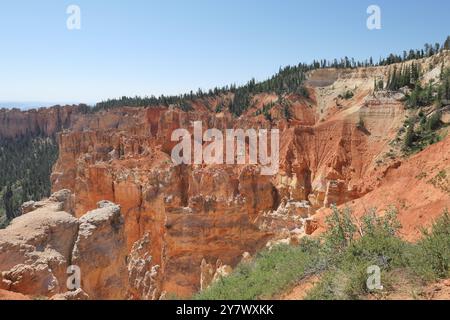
169 228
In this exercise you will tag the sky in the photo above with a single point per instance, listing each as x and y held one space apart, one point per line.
145 47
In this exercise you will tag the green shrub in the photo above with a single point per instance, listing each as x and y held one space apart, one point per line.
377 245
387 225
421 132
330 287
361 125
303 91
340 230
271 272
431 256
347 95
341 258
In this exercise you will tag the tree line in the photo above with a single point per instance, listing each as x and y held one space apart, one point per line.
289 79
25 167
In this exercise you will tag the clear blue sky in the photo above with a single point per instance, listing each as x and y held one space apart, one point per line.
143 47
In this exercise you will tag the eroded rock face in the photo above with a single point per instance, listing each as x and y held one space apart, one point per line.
9 295
15 123
100 252
37 248
177 216
178 221
188 213
142 273
209 274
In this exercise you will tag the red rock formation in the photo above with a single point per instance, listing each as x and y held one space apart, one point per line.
37 249
418 188
189 213
9 295
192 213
180 218
46 121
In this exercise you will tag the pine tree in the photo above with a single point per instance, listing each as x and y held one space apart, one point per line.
8 203
447 44
393 81
409 137
407 77
287 112
380 84
446 86
388 85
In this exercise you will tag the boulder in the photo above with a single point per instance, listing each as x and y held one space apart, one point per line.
37 249
77 294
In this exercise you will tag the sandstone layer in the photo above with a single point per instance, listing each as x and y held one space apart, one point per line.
41 251
184 226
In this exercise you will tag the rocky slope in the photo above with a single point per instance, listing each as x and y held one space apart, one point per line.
183 224
187 213
38 249
418 187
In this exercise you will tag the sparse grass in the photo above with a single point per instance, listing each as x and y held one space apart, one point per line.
421 175
427 260
441 181
269 273
341 258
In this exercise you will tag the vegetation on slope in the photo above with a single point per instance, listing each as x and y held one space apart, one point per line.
422 129
26 162
288 80
25 168
424 101
270 273
341 258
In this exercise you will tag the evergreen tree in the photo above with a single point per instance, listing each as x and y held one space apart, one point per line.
446 45
25 166
381 84
8 203
288 80
409 137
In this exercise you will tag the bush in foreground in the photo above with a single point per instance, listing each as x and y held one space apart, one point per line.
341 258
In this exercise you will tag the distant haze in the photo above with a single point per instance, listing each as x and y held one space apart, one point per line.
26 105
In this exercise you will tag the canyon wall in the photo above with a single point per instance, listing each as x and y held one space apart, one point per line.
45 121
187 213
183 215
183 224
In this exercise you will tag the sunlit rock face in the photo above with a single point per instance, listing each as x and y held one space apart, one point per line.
38 250
48 122
177 222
